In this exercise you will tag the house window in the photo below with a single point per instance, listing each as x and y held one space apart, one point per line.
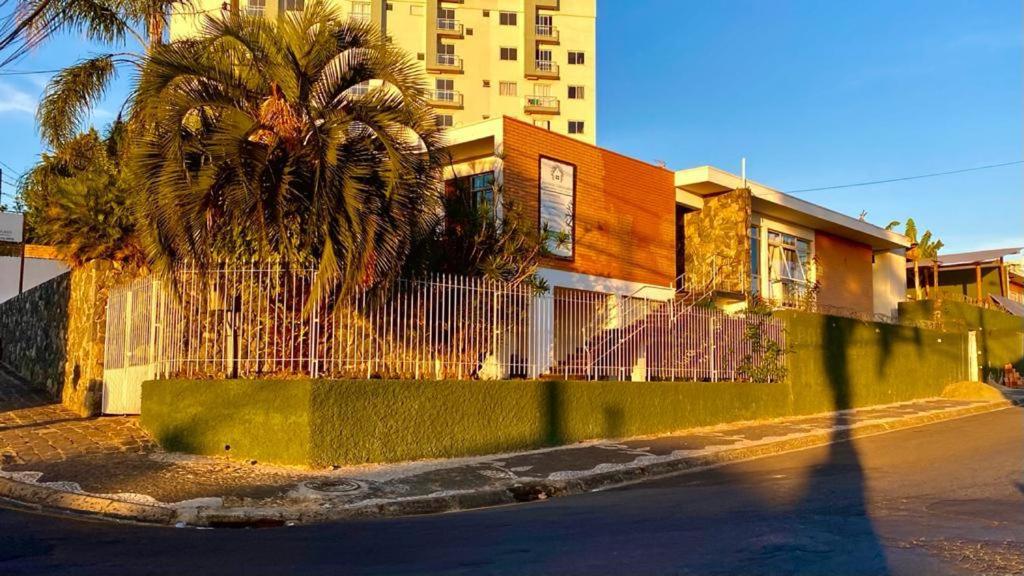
575 126
507 89
294 5
575 92
444 120
509 53
508 19
755 260
789 267
481 186
576 57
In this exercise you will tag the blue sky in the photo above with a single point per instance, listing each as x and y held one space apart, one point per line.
812 93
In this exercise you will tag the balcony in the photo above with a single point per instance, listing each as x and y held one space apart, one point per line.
445 99
541 105
546 34
449 63
449 27
358 18
543 69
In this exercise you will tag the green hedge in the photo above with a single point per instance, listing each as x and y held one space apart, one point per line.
1000 335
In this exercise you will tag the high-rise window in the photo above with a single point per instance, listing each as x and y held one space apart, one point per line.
508 19
507 89
509 53
576 57
444 120
256 7
575 126
294 5
575 92
360 11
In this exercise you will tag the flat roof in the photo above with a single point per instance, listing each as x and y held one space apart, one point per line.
991 255
706 180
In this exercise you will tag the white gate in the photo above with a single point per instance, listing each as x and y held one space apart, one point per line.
130 355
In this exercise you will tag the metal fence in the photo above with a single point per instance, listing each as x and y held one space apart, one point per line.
253 321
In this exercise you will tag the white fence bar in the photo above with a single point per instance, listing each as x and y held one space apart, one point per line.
252 321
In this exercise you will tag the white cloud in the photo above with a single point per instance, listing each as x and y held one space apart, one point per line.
17 101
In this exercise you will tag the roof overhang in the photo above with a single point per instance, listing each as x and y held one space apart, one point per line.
708 180
474 141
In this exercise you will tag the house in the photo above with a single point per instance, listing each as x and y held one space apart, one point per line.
637 229
982 277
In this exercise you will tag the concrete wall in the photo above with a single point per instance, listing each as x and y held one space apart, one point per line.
888 278
37 271
845 272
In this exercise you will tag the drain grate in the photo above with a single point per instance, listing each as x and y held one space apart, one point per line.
338 486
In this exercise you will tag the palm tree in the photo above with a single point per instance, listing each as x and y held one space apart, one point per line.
926 248
262 139
73 91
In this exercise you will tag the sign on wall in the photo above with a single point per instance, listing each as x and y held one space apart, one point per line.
12 225
557 199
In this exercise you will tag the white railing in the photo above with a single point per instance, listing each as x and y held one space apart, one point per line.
253 321
546 31
550 102
447 97
449 25
450 60
547 66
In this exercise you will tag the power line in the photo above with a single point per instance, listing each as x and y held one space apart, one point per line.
27 72
901 179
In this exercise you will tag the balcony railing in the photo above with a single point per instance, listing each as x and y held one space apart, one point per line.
446 98
448 61
546 32
254 10
357 18
541 104
449 27
546 68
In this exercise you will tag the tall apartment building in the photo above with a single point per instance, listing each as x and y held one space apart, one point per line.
529 59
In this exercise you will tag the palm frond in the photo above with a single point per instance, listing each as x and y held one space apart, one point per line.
70 96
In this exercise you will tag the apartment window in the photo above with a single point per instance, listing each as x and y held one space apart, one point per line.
509 53
508 19
446 55
256 7
575 92
576 57
544 25
575 126
545 124
294 5
360 11
361 89
446 19
508 89
444 120
444 89
542 89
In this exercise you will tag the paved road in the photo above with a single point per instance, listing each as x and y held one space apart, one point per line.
942 499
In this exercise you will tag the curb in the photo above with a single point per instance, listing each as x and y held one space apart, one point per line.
519 491
42 498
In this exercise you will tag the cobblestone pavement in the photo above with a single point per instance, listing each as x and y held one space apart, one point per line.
42 441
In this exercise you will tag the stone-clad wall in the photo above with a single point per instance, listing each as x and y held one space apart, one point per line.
717 243
33 333
53 335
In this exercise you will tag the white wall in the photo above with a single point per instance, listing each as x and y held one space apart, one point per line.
889 275
37 271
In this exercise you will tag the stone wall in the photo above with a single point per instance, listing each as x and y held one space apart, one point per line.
33 333
53 335
717 243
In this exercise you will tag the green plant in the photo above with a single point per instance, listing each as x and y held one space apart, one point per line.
766 361
261 139
924 249
76 200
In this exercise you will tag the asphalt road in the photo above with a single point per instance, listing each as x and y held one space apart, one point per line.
941 499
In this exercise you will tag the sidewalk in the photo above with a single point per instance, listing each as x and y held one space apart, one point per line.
48 451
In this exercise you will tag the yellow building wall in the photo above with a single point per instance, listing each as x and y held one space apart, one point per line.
405 22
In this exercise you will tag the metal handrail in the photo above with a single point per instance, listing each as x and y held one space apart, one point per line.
542 101
546 30
450 60
444 95
547 66
449 25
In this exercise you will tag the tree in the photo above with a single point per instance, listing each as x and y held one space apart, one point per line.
76 200
481 232
925 248
262 138
73 91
